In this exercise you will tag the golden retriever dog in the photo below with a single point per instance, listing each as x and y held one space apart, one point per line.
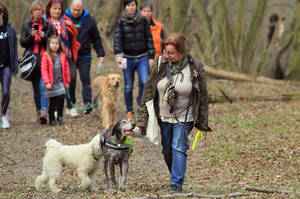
108 96
84 158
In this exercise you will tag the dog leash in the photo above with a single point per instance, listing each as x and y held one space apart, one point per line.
199 134
82 109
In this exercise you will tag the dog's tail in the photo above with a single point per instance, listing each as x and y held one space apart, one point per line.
52 144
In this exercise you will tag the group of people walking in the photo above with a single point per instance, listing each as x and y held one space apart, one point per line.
166 73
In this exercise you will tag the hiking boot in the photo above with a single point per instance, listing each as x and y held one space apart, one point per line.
5 123
175 189
60 120
129 115
52 123
87 104
43 117
72 112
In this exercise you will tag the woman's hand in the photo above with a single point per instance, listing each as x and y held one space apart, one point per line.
33 32
137 131
67 85
41 34
150 61
48 86
119 59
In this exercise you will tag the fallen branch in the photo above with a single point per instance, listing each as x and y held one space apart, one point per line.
193 195
269 190
222 74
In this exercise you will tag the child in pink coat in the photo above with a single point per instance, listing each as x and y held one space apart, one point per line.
56 76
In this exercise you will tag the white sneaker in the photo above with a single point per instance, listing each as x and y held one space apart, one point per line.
72 112
5 123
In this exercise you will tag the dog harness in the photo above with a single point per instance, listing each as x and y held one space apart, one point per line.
114 144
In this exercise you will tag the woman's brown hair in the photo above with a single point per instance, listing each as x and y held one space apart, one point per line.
49 51
3 9
177 40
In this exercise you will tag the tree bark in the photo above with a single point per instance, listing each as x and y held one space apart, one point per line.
250 42
178 13
294 63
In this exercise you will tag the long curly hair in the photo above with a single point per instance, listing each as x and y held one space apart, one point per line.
3 9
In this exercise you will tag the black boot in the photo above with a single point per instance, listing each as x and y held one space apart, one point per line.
52 123
60 120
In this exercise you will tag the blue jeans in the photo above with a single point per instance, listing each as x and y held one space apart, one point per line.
140 65
175 144
39 94
5 75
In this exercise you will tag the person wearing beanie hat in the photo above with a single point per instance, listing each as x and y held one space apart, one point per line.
134 48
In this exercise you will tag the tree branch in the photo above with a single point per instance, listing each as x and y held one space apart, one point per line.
193 195
269 190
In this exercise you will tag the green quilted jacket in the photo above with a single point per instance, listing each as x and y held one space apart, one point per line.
199 93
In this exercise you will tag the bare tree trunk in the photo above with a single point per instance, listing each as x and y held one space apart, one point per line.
295 58
251 37
178 13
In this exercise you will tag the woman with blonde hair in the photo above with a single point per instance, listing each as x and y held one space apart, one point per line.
34 37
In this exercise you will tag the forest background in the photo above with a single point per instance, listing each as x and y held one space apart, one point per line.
227 34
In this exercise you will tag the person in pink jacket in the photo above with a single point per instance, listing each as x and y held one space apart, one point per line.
56 76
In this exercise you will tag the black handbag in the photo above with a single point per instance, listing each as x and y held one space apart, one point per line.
30 66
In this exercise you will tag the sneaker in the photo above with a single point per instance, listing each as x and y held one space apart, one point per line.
72 112
43 117
129 115
5 123
87 104
175 189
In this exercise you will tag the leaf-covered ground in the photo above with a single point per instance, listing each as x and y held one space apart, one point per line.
253 143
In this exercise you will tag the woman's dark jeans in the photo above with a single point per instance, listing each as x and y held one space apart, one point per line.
5 75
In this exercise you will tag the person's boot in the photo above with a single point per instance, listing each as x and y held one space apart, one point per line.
60 120
43 117
87 104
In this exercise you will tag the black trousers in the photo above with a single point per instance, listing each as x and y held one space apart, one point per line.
56 103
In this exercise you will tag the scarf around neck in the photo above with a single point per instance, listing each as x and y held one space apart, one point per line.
176 67
136 18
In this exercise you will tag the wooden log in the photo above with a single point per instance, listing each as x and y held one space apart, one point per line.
222 74
269 190
193 195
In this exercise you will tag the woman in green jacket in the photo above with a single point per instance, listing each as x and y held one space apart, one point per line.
177 86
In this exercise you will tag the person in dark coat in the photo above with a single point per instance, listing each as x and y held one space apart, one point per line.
134 49
8 60
34 37
87 34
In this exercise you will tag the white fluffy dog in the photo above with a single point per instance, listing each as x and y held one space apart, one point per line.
84 158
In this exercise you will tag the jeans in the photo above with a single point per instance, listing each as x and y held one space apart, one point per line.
84 66
175 144
39 94
72 86
5 75
140 65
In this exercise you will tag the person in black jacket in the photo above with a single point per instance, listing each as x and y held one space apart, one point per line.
34 37
87 34
8 60
133 42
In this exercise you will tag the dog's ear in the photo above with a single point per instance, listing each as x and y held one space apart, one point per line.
116 128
